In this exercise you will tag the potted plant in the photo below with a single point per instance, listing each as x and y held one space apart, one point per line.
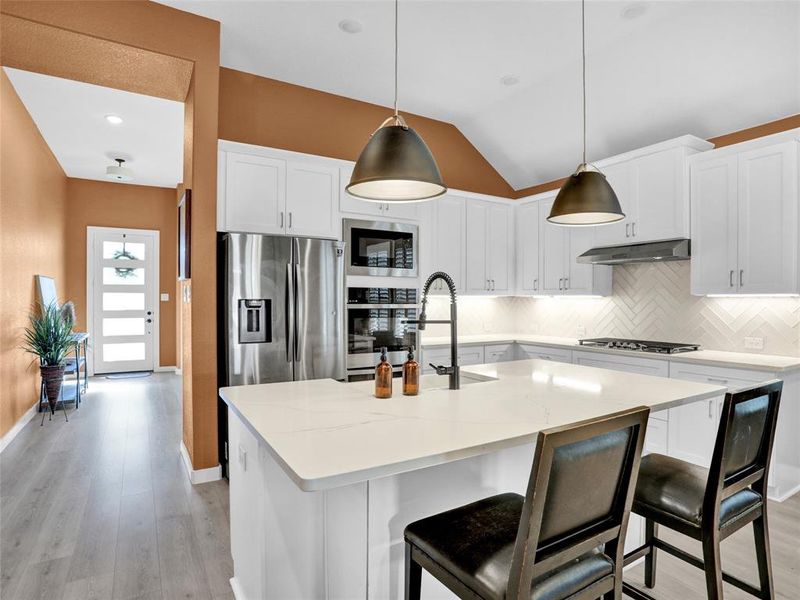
50 338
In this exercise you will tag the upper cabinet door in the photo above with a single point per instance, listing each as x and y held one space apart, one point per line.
402 210
714 225
768 220
498 247
527 220
553 246
311 194
579 276
449 242
620 178
255 194
662 201
476 247
384 210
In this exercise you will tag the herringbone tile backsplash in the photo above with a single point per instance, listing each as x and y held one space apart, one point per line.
649 301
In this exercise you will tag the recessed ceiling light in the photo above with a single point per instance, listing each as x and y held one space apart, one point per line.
350 26
114 119
634 10
509 80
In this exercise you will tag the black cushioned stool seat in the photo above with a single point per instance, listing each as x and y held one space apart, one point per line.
669 487
475 543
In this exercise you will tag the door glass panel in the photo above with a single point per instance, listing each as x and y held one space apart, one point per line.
123 352
128 251
123 276
131 326
123 300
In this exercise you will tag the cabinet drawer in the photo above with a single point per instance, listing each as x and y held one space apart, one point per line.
545 353
730 378
498 353
467 355
629 364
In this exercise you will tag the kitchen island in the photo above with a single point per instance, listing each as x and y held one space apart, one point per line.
324 477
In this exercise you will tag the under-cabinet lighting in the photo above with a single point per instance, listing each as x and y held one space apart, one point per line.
752 295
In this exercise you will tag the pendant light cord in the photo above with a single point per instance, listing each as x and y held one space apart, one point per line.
583 74
396 2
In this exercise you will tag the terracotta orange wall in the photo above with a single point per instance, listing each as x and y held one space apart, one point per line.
33 199
157 28
106 204
267 112
751 133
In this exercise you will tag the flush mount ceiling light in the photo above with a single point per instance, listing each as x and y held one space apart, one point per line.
509 80
118 172
586 198
396 164
114 119
350 26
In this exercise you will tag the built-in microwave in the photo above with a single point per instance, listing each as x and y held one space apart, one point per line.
381 249
376 318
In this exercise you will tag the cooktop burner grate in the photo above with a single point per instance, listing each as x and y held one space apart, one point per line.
639 345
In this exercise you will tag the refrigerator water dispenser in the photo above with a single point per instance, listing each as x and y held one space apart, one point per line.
255 321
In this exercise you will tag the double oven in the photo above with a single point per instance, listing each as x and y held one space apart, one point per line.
382 293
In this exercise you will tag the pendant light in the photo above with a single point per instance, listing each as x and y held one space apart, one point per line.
586 198
118 172
396 164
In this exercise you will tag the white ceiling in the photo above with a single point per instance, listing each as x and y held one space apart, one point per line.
71 117
705 67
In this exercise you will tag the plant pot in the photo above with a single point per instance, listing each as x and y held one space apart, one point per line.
52 376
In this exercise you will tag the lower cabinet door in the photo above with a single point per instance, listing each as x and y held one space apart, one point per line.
692 431
498 353
629 364
656 438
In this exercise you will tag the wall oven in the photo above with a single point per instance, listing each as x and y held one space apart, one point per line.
381 249
375 318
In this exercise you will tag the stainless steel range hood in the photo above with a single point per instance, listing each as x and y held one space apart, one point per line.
677 249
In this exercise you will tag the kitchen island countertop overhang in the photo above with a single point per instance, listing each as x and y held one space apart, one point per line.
327 434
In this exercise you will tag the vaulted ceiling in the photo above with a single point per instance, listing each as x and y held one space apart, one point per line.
655 69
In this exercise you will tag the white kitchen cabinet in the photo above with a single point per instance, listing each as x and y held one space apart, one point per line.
656 437
527 238
620 178
629 364
527 351
311 191
488 239
383 210
693 427
272 192
443 241
559 248
254 193
467 355
496 353
745 220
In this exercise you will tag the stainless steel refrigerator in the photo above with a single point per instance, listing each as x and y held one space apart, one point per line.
282 309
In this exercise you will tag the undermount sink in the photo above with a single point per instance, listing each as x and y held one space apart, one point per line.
441 382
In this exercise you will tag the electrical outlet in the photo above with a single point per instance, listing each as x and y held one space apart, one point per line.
165 297
581 331
754 343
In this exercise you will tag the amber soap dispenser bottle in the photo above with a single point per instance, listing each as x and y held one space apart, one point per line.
383 377
410 375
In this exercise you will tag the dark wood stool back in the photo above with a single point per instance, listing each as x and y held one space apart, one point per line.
579 496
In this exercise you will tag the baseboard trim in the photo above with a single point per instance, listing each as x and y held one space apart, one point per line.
14 431
199 475
786 495
236 589
161 369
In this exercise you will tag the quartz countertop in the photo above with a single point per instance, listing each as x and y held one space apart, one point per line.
328 434
743 360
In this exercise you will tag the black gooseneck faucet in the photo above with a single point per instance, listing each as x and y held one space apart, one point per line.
453 370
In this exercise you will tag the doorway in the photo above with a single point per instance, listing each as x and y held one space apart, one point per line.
122 299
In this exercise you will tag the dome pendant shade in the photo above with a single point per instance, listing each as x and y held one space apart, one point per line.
396 166
586 199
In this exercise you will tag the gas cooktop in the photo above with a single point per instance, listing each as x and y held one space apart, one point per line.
639 345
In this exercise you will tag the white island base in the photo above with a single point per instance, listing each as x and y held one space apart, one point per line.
324 478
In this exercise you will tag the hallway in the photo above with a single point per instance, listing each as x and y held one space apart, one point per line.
102 508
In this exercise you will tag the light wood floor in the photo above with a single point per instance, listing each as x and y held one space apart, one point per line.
101 508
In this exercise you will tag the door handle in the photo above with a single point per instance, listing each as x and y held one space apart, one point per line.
281 220
560 283
730 278
566 283
288 313
290 220
710 416
493 288
633 229
296 324
716 380
741 277
535 284
627 230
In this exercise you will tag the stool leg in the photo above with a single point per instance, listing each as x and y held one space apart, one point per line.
761 534
712 561
650 532
413 577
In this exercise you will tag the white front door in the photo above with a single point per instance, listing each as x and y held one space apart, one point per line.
122 298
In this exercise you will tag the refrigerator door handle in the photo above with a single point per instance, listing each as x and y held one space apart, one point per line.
297 348
289 314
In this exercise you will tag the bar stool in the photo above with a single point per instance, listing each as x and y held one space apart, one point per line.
563 539
711 504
